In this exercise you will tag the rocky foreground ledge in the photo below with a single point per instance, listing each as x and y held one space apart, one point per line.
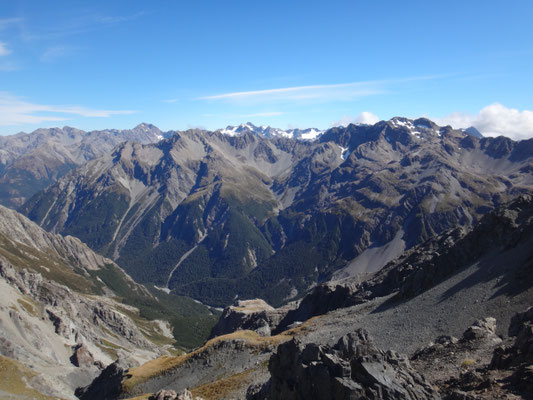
477 366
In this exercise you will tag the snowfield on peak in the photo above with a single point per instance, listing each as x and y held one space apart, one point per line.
270 132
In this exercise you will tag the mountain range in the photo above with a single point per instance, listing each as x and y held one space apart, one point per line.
31 162
215 216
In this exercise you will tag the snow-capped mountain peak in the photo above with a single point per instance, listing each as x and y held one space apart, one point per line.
270 132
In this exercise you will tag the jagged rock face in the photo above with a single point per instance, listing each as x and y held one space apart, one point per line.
519 356
31 162
107 385
352 369
46 325
213 216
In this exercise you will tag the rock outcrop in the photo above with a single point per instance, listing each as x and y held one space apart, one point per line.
518 357
255 315
172 395
352 369
107 385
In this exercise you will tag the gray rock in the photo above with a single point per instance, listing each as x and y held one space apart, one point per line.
164 395
352 369
82 356
483 328
255 315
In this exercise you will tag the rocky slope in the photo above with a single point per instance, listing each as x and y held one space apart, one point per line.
214 216
503 235
31 162
67 312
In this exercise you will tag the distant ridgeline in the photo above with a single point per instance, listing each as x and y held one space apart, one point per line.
215 215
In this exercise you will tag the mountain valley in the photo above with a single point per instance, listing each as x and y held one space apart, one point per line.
352 261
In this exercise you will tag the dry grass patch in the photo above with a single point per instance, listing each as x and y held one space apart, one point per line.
164 364
219 389
13 378
29 305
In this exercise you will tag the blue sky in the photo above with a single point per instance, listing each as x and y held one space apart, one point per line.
177 64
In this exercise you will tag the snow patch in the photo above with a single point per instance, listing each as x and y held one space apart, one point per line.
344 152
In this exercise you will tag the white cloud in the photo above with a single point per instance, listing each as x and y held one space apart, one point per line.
4 51
365 117
494 120
15 111
335 92
170 100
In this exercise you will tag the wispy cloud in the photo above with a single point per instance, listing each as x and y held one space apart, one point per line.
170 100
330 92
77 25
55 52
494 120
16 111
8 66
9 22
295 93
4 51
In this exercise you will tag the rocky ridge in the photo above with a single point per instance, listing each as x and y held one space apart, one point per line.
469 284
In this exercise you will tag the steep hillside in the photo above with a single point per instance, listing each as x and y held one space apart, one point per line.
214 216
31 162
66 312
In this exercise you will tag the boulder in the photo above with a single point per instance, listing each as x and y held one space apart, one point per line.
164 395
483 328
108 385
82 357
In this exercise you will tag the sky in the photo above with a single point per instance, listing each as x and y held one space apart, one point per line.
209 64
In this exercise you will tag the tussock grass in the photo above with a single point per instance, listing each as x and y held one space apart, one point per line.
13 377
30 307
219 389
